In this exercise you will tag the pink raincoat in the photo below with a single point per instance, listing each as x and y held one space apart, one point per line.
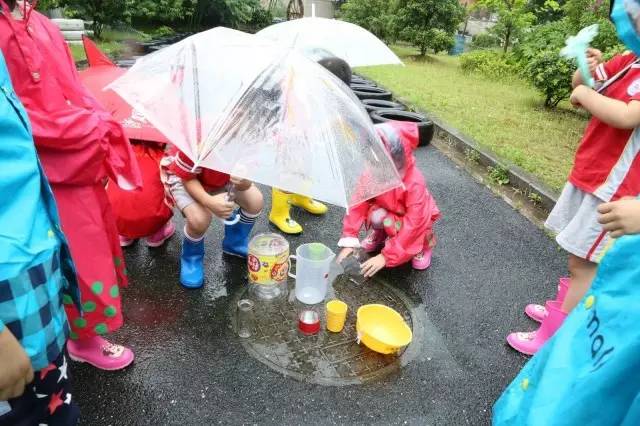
80 146
412 210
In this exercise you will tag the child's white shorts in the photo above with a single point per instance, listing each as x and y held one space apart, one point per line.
181 196
575 221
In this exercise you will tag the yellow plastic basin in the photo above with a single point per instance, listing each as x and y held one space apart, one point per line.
382 329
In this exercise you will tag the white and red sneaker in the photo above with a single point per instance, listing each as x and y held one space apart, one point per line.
422 260
125 242
159 238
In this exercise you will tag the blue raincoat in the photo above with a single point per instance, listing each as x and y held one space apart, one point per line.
589 372
30 229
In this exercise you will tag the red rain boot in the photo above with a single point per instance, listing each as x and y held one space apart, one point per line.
538 312
530 343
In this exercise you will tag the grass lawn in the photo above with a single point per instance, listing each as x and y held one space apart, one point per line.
507 117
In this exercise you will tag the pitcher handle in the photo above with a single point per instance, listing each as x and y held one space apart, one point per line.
290 258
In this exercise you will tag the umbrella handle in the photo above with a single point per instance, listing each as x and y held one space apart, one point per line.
231 196
233 221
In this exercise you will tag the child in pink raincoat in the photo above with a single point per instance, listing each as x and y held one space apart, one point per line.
400 221
80 145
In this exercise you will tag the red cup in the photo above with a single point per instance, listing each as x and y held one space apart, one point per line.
309 322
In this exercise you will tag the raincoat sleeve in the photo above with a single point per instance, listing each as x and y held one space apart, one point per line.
182 167
352 224
421 212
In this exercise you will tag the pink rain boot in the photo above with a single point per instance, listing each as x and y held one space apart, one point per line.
125 242
538 312
158 239
374 241
422 260
100 353
530 343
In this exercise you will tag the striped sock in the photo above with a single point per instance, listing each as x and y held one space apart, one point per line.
248 218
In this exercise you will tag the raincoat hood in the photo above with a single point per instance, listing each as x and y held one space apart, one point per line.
625 14
400 139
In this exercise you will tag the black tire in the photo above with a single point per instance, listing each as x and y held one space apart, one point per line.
360 87
363 81
367 92
426 128
372 105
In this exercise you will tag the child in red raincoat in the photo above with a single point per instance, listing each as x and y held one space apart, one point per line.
401 221
80 146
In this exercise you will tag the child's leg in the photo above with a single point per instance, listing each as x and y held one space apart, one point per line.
251 200
236 237
46 400
376 237
582 274
198 219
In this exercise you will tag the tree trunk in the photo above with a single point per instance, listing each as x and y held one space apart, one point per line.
423 50
507 40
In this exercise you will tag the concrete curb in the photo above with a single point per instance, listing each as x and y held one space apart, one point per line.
518 178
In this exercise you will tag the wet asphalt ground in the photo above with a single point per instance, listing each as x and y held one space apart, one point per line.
192 370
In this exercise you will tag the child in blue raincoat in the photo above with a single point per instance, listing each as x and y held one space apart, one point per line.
35 270
587 374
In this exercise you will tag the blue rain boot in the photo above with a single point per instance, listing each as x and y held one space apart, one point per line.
236 237
191 272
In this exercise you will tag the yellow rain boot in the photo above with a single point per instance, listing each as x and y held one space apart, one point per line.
309 204
280 209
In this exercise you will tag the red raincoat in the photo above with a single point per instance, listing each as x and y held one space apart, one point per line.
80 145
143 212
413 208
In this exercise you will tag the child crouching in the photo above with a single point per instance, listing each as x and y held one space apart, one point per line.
201 194
401 221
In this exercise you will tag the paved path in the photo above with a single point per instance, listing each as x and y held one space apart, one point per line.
191 369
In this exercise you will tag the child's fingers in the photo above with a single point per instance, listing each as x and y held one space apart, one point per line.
605 208
606 218
617 233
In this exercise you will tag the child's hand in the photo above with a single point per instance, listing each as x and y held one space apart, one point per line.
241 184
578 94
346 252
220 206
594 58
373 266
620 217
16 372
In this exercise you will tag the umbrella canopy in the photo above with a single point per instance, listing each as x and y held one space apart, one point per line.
239 104
350 42
101 73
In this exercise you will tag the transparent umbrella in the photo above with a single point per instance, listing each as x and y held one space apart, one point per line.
350 42
239 104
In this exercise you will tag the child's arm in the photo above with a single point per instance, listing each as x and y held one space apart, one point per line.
594 58
613 112
620 217
16 372
351 225
217 204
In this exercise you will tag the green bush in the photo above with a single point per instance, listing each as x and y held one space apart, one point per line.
551 75
549 36
485 41
489 63
618 49
162 31
440 40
